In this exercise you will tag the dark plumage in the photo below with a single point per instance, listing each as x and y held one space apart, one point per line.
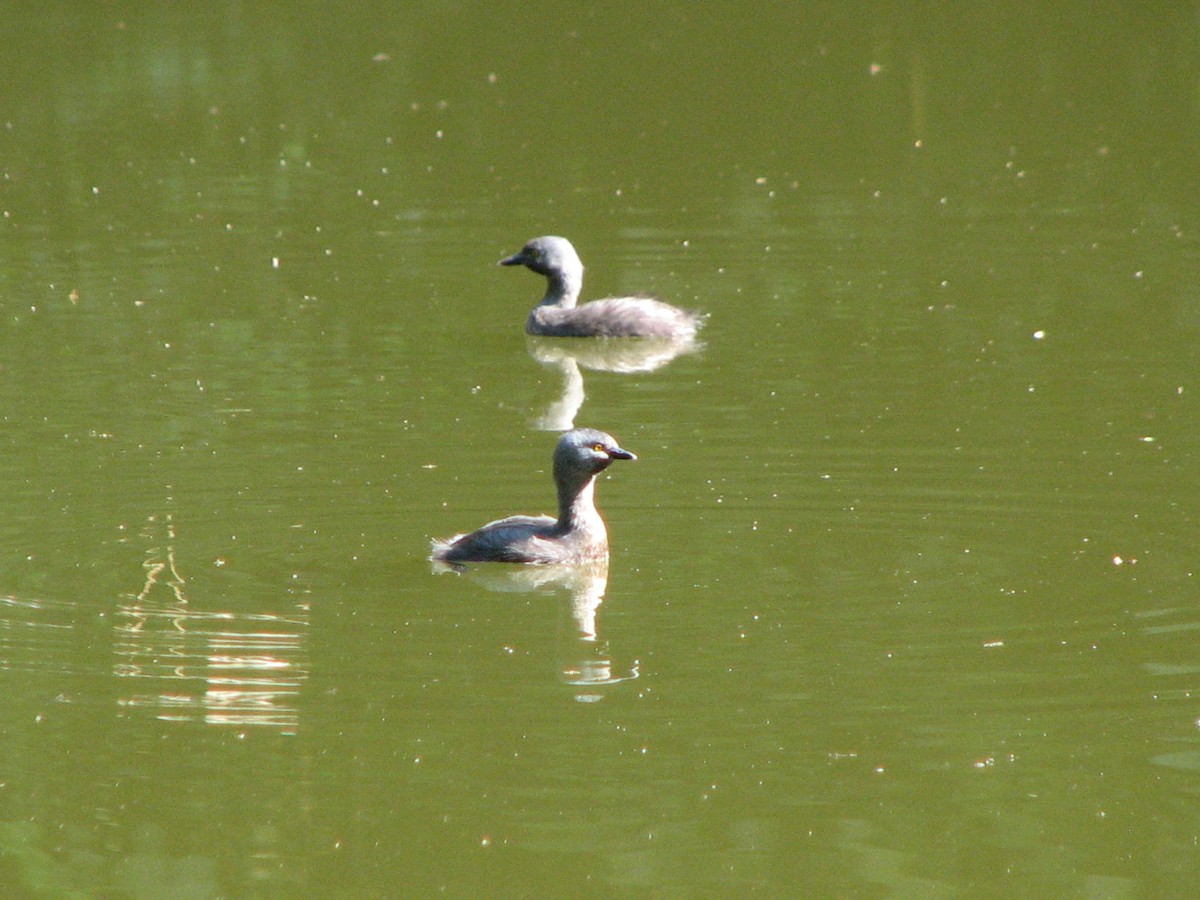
558 316
577 535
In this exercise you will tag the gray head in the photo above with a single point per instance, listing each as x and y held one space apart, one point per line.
584 453
551 256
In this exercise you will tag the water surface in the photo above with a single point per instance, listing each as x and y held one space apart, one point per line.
902 594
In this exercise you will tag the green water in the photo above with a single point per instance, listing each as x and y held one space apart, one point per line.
902 597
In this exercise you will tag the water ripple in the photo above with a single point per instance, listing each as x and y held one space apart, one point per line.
219 667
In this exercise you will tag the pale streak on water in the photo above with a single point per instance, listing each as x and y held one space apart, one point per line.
179 663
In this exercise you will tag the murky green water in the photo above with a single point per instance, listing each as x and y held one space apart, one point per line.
902 598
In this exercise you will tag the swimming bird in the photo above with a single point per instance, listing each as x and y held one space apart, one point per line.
578 534
558 316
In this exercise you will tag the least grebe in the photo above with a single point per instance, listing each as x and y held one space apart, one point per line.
558 316
576 536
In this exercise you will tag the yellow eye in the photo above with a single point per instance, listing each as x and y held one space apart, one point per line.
599 448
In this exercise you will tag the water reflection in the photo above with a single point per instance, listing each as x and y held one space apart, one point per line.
195 665
621 355
584 660
1173 670
36 635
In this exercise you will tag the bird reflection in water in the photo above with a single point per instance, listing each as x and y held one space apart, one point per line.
618 355
194 665
584 660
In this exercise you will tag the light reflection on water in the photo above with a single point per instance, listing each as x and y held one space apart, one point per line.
584 659
868 560
1172 631
184 664
35 634
621 355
